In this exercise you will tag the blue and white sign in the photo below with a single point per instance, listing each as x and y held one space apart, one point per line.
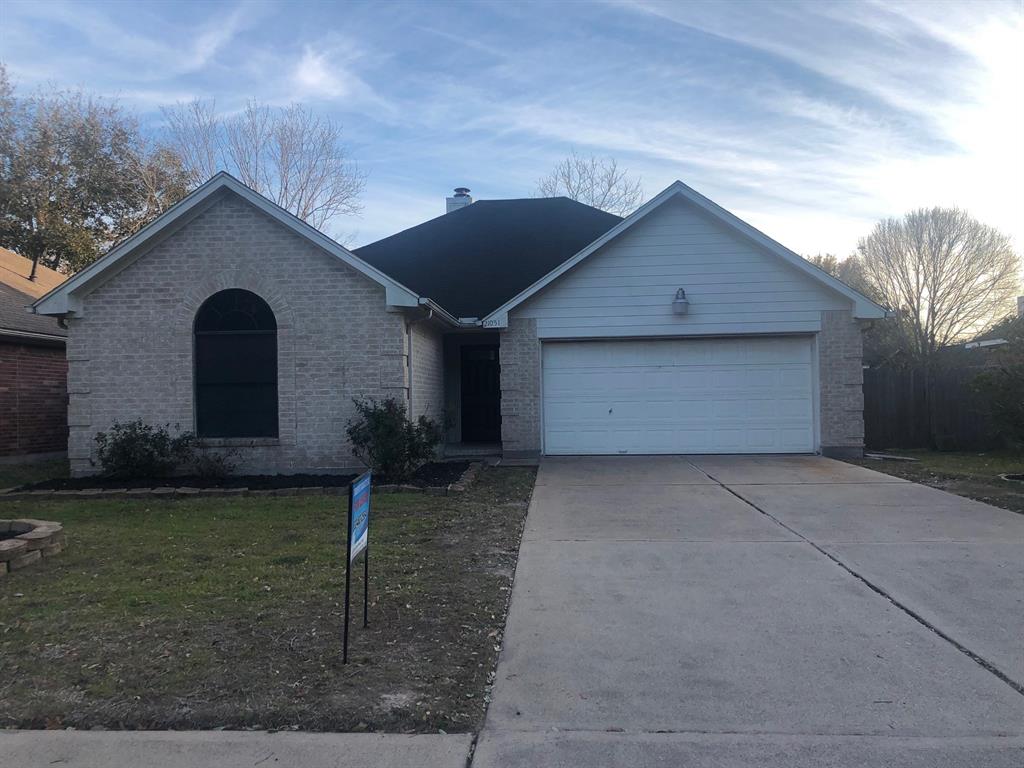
360 516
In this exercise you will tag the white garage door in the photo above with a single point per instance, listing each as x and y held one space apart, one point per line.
742 395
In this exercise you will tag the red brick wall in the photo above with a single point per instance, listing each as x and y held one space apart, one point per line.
33 399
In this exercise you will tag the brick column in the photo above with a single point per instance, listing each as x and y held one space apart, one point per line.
841 381
520 389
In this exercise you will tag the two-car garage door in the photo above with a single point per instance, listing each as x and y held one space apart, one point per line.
735 395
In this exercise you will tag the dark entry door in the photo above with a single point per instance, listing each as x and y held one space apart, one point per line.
481 394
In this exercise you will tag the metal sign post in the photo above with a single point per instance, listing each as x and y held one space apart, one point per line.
357 540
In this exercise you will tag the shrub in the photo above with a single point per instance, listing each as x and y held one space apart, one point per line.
136 449
387 441
213 466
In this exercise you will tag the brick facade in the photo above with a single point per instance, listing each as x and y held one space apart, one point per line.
33 399
427 377
520 388
130 352
841 385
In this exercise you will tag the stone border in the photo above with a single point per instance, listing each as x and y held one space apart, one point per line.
178 493
36 539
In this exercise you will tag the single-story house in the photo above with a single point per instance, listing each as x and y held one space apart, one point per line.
33 370
535 326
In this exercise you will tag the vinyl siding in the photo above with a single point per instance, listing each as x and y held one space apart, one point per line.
626 288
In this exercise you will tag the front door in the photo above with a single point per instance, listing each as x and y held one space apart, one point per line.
481 394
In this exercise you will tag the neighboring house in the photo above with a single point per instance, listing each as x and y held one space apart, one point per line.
535 326
33 370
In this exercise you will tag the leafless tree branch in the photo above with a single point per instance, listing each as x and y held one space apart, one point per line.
594 181
288 154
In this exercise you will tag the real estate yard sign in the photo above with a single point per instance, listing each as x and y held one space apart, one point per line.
358 540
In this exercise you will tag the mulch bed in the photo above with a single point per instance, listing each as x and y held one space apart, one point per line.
433 474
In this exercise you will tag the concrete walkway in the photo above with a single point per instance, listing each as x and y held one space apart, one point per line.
770 611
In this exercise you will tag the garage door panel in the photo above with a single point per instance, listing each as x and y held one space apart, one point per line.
678 396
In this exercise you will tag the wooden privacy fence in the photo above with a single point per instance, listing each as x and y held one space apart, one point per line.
898 413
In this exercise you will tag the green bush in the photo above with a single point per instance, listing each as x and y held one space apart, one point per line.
388 442
135 449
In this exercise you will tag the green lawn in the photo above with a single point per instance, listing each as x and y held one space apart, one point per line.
971 474
227 612
12 475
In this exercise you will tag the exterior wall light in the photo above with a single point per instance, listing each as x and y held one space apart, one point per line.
680 304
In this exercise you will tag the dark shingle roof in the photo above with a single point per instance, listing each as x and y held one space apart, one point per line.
474 259
15 317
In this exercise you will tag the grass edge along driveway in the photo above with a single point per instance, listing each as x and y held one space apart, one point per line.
974 475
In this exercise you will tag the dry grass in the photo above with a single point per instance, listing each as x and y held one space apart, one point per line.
974 475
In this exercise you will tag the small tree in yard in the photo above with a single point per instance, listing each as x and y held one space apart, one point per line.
387 441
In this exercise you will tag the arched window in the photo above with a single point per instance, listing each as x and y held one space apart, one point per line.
236 366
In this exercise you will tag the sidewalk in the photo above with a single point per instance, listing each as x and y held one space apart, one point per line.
230 749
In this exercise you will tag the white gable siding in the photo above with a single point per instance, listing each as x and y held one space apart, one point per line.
626 288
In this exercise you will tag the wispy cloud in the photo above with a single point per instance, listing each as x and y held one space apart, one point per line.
326 75
811 119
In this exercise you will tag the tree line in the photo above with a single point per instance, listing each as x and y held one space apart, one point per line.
78 173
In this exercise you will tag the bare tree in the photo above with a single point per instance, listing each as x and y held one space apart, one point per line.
595 181
193 130
947 275
289 154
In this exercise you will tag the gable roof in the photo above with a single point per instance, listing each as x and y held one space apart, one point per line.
863 306
67 297
15 271
474 258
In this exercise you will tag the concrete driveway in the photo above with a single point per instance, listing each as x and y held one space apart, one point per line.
790 611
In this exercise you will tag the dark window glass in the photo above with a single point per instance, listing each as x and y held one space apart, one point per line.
236 366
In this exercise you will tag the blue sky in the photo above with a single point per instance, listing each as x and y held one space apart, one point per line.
809 120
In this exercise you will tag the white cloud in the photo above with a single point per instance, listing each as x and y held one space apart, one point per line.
328 74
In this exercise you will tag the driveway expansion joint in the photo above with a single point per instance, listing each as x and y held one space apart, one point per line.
979 660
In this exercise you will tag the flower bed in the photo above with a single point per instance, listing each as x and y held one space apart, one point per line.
439 478
24 542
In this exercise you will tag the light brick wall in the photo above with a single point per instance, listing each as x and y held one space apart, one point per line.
130 355
33 399
520 388
427 372
841 378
